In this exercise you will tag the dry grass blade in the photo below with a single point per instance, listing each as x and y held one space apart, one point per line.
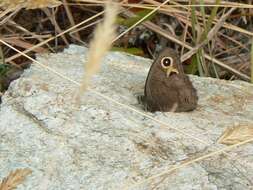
70 17
14 179
101 43
236 134
207 4
30 4
57 27
23 44
8 4
7 18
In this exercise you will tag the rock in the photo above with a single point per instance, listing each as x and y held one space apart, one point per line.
104 145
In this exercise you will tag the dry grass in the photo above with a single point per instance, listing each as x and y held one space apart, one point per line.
29 4
14 179
236 134
180 10
104 34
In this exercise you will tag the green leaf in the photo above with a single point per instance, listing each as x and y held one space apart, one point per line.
3 69
133 51
139 15
193 67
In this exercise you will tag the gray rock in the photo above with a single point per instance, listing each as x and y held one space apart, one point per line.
103 145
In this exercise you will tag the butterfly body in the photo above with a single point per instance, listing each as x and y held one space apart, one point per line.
167 88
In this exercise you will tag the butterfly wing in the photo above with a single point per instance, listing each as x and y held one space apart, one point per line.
168 93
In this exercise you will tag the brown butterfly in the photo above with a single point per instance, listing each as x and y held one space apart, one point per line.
167 88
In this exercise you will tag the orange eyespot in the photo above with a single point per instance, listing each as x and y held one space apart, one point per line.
167 62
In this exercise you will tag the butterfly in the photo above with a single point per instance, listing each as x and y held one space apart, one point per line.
167 87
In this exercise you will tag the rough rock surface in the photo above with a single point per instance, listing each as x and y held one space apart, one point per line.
103 145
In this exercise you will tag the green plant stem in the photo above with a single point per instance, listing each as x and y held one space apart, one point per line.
194 21
195 64
210 19
1 56
203 13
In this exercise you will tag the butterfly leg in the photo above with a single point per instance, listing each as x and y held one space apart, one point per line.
147 105
142 100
